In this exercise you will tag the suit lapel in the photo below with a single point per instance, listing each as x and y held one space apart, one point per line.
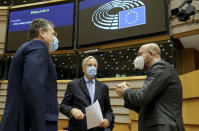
97 89
83 86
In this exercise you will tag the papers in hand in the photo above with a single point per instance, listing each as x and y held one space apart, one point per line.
93 115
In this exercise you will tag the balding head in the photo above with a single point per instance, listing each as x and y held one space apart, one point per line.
152 47
151 53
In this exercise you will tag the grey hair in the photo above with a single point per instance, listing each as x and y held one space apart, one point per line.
37 24
86 59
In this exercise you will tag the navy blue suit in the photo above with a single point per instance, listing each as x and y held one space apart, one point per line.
32 90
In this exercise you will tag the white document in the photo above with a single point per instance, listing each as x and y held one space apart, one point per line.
94 115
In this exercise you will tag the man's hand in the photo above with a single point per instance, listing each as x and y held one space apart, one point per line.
120 88
105 123
77 113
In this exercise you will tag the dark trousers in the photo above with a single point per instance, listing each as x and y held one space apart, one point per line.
51 126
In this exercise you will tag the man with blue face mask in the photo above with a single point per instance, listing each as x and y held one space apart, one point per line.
53 46
31 103
159 101
83 92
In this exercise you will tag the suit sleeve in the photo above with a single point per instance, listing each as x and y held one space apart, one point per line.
156 82
65 106
34 77
108 110
132 106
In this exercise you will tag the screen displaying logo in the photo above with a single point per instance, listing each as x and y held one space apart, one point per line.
132 17
119 14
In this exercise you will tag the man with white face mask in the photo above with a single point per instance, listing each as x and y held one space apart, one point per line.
31 102
159 101
83 92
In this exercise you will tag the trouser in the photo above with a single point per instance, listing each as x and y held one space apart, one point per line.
51 126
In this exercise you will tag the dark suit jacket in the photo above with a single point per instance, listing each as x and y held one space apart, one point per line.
77 96
159 101
32 90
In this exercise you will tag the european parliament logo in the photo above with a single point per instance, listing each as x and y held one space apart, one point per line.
132 17
118 14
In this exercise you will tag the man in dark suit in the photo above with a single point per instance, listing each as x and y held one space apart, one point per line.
159 101
83 92
31 102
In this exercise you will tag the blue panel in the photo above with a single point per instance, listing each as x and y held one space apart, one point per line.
91 3
132 17
60 15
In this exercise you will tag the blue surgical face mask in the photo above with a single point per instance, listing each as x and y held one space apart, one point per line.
53 46
91 71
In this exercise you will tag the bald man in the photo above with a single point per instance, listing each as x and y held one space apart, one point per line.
159 101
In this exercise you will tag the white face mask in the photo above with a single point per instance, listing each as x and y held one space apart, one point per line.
139 62
53 46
